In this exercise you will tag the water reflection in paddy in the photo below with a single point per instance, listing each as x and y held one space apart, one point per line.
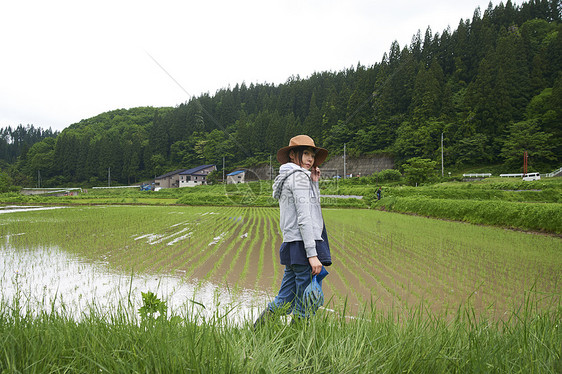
48 277
17 208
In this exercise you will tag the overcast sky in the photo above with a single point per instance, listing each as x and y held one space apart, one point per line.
63 61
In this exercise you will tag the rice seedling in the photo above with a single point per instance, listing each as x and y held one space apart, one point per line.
394 260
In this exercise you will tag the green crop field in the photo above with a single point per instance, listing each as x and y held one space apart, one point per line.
405 294
394 262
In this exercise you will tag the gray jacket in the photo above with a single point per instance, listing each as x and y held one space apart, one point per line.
299 203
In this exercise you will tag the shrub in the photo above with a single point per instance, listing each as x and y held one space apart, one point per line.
5 182
389 175
419 170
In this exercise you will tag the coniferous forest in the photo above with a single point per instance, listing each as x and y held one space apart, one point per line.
492 87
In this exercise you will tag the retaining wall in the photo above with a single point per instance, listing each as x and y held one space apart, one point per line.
357 166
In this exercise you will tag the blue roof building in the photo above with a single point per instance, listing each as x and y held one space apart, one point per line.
237 176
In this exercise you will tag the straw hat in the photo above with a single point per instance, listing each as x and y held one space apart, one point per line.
302 141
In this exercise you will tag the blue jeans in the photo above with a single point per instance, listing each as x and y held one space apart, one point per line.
295 279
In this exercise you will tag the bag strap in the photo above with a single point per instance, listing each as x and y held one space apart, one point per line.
293 172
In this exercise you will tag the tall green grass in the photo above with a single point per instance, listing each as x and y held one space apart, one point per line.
530 341
545 217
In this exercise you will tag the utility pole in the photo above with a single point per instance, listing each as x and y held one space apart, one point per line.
109 177
223 180
344 161
270 169
38 179
442 169
525 156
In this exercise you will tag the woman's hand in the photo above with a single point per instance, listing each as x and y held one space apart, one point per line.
315 174
315 264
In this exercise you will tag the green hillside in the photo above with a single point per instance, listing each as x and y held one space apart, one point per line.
491 87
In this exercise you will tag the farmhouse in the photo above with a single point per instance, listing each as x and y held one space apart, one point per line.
184 177
168 180
196 176
236 177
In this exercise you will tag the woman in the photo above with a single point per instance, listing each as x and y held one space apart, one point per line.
305 248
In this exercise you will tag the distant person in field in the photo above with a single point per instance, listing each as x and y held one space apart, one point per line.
305 248
379 191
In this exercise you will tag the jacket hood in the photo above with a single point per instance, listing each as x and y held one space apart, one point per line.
285 171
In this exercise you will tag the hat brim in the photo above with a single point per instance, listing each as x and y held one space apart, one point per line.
320 154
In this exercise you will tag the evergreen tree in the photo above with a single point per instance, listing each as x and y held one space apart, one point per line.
313 122
428 92
510 54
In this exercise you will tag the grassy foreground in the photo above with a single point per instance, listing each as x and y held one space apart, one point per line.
120 342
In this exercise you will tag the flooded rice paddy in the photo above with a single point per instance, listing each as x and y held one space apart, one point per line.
226 260
52 279
46 277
